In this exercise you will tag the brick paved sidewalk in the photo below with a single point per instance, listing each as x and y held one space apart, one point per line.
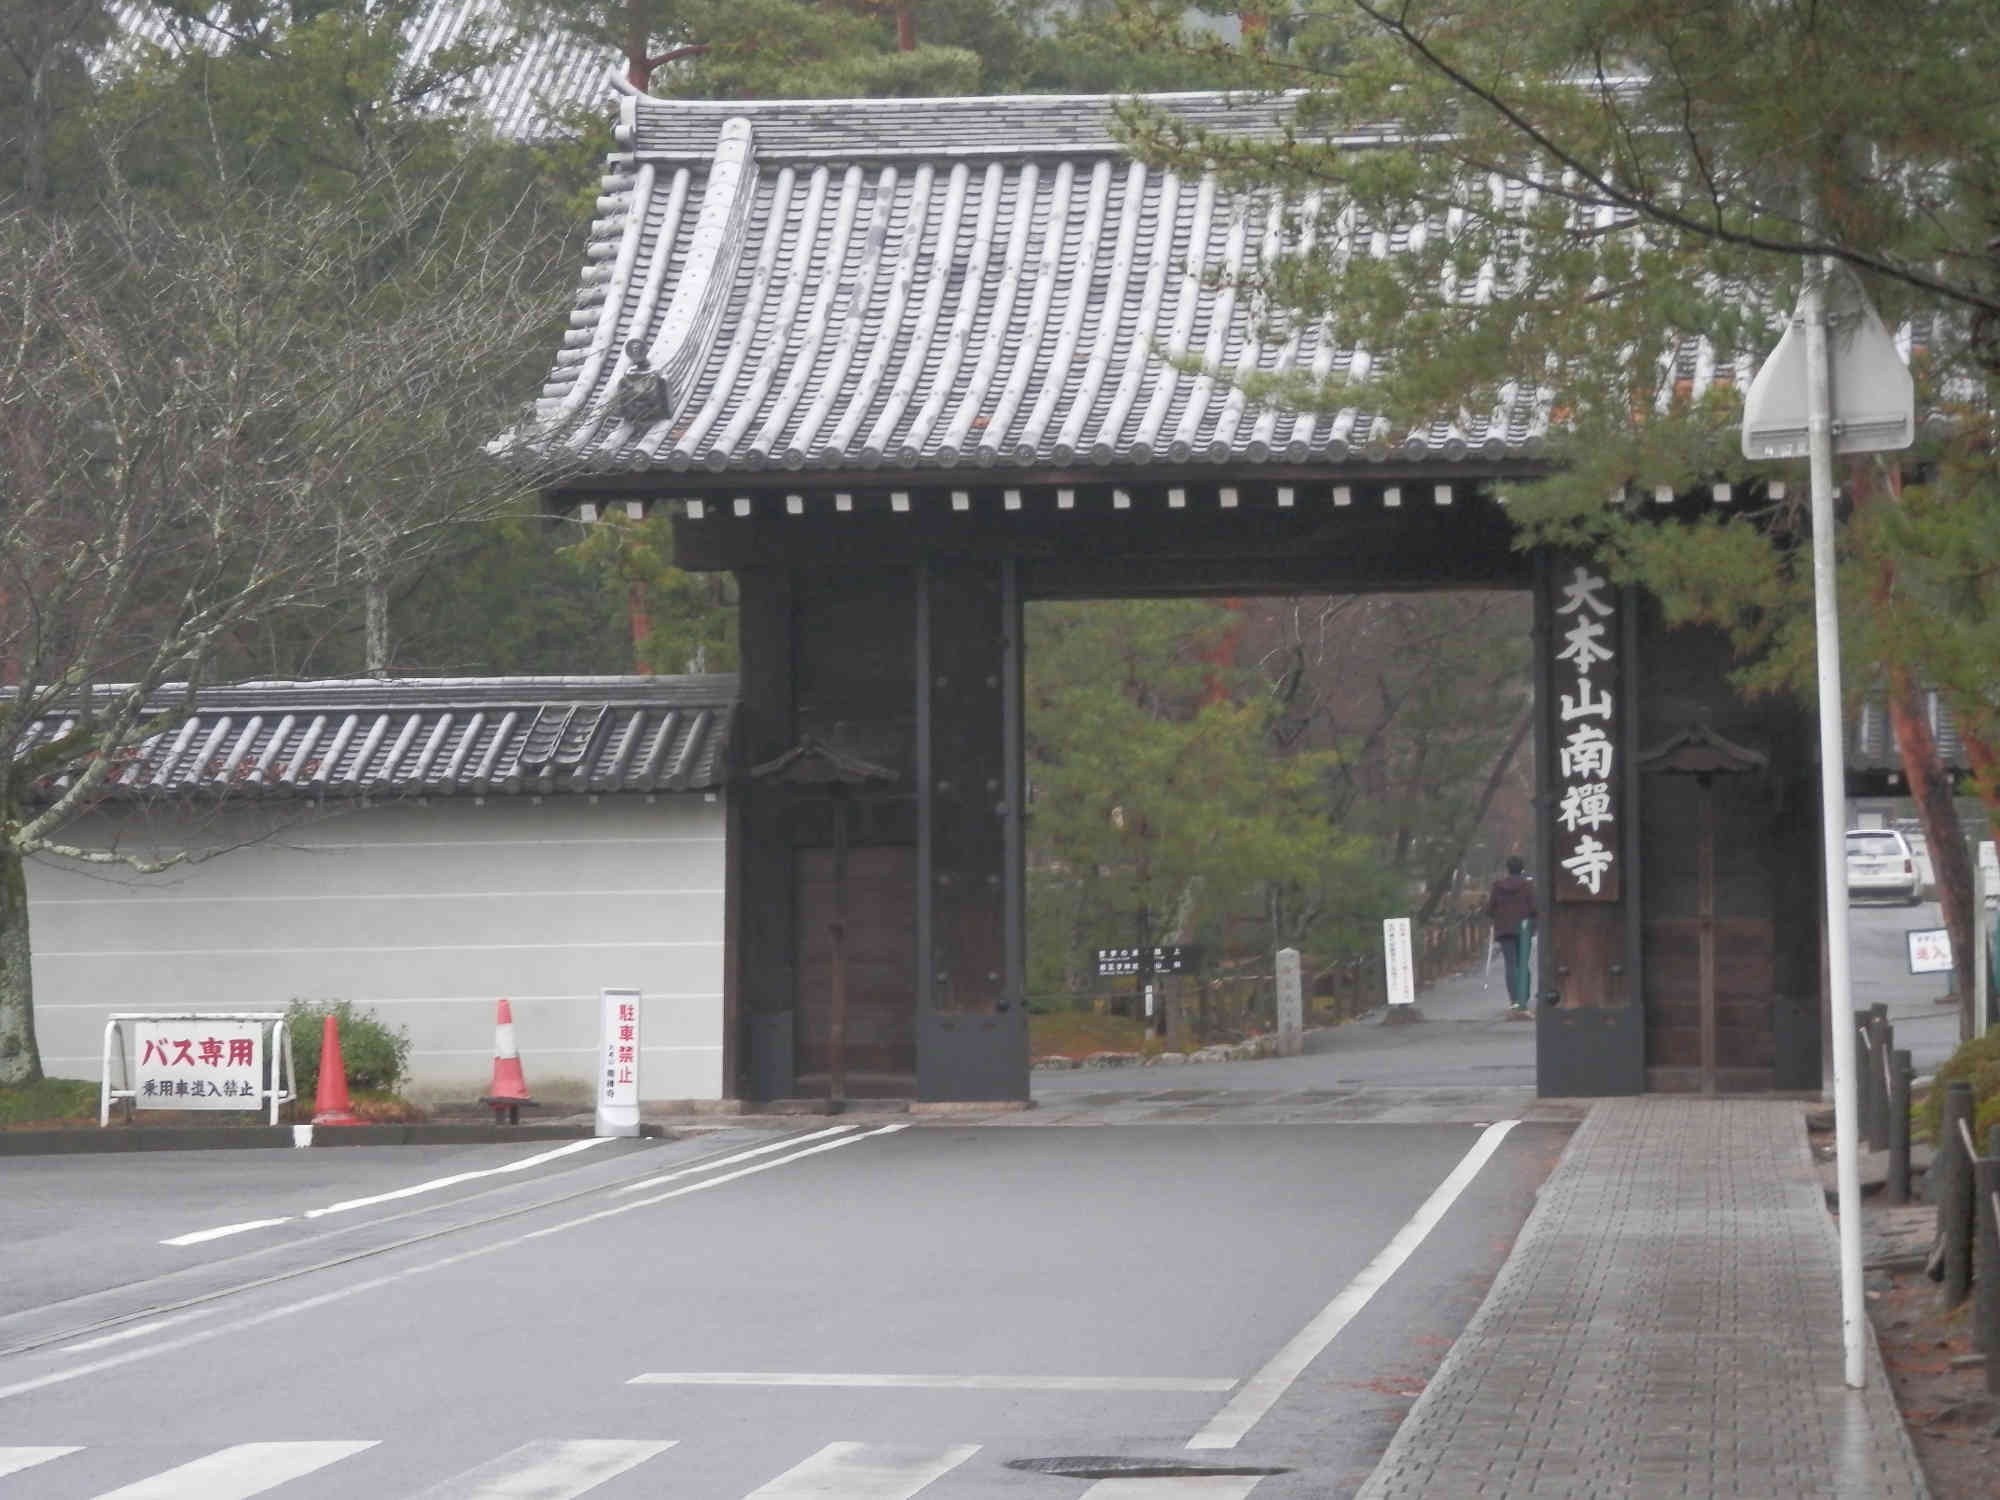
1668 1325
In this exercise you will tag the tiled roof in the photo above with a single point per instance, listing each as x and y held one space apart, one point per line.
549 72
1871 742
922 284
433 737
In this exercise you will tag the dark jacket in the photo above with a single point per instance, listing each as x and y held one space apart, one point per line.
1511 903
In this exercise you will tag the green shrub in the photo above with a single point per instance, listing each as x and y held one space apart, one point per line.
375 1055
50 1101
1976 1062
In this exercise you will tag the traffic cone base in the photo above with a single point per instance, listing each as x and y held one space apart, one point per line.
330 1106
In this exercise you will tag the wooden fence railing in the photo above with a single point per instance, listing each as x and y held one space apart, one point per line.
1968 1199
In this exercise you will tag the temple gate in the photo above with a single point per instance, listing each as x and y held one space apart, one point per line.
905 365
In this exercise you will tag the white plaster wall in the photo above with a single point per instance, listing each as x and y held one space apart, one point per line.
424 914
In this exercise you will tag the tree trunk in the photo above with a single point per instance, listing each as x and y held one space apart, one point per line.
638 71
1440 882
1930 788
20 1058
641 624
1923 769
375 605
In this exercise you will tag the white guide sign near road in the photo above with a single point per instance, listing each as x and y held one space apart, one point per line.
195 1060
1930 950
198 1064
1400 972
618 1074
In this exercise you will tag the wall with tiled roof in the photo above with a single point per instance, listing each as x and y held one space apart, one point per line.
431 737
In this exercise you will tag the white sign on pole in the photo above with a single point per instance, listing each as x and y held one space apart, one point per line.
618 1075
198 1064
1400 971
1825 389
1930 950
1873 403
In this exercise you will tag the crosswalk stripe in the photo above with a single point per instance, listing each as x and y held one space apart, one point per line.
547 1469
1177 1487
239 1472
864 1471
14 1460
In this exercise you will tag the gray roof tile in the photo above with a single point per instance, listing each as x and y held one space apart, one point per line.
432 737
939 284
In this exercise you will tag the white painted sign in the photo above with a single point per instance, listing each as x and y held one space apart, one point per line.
198 1064
618 1075
1396 963
1291 1005
1930 950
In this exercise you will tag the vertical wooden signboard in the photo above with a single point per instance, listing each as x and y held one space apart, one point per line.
1586 682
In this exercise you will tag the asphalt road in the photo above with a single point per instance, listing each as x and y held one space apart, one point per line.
1878 955
1265 1260
886 1309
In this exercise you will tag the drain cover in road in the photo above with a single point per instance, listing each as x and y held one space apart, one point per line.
1099 1466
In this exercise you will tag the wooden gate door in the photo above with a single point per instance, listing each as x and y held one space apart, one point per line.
879 979
1709 935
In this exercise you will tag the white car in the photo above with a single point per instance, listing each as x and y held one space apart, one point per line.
1880 863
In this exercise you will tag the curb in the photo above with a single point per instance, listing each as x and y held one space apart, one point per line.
94 1140
1258 1047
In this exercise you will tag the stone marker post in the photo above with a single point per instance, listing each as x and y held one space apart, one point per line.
1291 1005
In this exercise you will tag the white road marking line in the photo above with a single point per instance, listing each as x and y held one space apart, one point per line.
1178 1487
729 1161
444 1182
1152 1383
376 1283
239 1472
548 1469
1262 1390
137 1330
203 1236
14 1460
864 1471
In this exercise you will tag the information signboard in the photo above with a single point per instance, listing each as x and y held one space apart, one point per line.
195 1060
1930 950
198 1064
618 1075
1169 958
1399 971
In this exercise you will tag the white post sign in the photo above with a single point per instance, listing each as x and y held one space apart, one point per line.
1291 1005
1401 972
618 1075
198 1064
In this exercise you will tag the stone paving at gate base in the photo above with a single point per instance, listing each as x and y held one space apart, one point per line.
1667 1325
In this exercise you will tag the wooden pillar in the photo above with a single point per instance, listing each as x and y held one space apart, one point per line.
761 965
971 1022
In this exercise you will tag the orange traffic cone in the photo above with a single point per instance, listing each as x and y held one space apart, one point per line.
330 1105
509 1090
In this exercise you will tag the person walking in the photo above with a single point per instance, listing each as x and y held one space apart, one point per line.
1512 907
